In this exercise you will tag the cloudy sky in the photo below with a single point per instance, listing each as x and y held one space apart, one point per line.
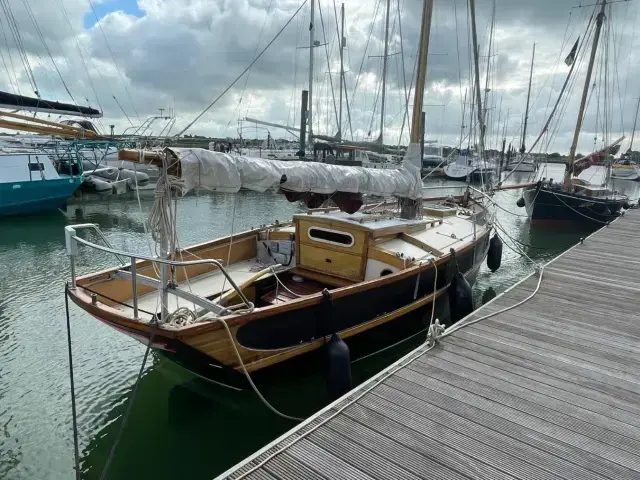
182 54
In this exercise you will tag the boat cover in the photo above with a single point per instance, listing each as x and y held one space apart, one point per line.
222 172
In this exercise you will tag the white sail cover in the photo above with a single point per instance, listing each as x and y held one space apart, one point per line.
229 173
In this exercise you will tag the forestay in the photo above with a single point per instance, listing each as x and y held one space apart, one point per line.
221 172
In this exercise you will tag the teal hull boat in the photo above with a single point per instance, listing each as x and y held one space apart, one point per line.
19 198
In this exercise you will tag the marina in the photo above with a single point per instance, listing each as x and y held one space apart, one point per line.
410 279
172 405
538 383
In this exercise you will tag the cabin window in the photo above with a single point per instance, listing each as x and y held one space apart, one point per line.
385 272
333 237
36 167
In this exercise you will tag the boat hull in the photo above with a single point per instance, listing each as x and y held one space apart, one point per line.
19 198
625 173
523 167
549 205
290 340
462 173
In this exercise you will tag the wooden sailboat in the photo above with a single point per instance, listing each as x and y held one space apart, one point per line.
268 301
575 200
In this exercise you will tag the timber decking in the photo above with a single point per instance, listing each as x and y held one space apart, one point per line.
547 390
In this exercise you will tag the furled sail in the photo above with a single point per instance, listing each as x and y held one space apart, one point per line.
221 172
596 158
31 104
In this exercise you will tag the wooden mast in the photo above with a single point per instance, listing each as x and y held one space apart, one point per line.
421 77
585 92
523 148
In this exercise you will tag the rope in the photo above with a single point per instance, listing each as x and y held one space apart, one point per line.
374 383
248 376
460 326
578 212
74 415
496 203
181 317
273 270
160 221
431 322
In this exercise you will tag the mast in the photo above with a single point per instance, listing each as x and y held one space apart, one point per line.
464 109
526 110
412 208
384 72
342 42
474 34
635 120
421 77
311 47
585 91
486 81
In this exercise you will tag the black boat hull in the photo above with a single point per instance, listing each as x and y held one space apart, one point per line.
549 205
346 313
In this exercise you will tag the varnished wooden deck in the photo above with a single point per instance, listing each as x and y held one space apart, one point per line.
550 389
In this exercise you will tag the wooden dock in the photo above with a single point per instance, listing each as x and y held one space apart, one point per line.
547 390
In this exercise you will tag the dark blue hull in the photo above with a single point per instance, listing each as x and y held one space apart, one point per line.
548 204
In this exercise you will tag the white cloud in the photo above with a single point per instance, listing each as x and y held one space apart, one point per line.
191 50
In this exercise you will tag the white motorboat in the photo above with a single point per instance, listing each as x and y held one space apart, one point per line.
469 167
624 169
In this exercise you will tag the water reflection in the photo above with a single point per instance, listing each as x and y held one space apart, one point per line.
488 295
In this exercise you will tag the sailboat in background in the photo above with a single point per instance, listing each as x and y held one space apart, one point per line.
575 200
471 164
33 178
626 167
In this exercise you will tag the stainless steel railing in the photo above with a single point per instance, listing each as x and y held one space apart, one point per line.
72 242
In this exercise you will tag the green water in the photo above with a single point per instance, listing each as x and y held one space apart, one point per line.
180 426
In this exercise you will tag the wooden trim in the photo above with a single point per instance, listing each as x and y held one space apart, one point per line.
144 265
296 224
339 292
420 244
365 257
110 315
331 222
320 277
388 257
386 238
395 229
114 316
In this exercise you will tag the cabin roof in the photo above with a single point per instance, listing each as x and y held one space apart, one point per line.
364 221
